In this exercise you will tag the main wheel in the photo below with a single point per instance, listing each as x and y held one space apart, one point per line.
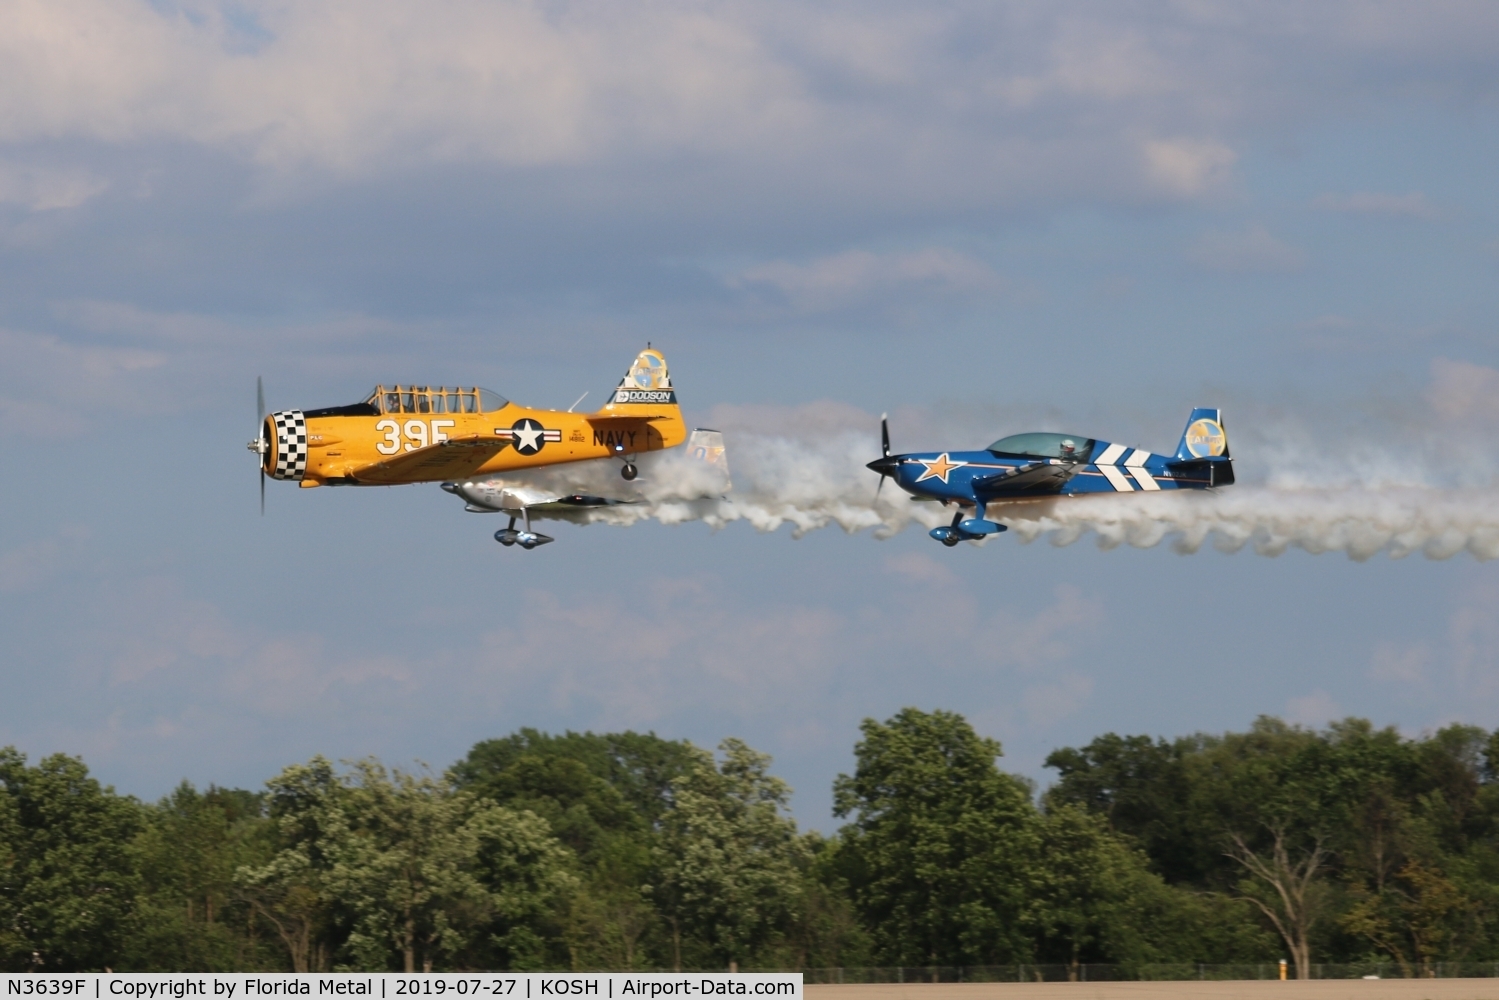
629 472
951 540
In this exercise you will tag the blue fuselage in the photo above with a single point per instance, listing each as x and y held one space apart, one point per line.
973 477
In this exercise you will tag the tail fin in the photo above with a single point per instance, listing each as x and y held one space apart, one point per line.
647 383
643 409
1204 436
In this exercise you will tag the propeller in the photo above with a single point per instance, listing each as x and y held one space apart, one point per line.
259 444
886 464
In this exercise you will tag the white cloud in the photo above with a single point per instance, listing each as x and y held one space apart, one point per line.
1460 390
121 360
1403 663
41 188
999 105
1251 251
1459 669
1413 205
855 275
30 565
347 84
1315 709
50 387
1188 167
1052 701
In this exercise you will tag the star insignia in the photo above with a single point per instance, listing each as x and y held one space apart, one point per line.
527 435
938 468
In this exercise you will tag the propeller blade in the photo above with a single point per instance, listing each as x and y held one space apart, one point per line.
260 436
882 464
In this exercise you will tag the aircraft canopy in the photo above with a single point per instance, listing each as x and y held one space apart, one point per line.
435 399
1072 447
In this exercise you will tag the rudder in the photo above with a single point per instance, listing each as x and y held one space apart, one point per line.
647 383
1204 436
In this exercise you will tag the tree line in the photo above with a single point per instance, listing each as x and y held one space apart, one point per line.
629 851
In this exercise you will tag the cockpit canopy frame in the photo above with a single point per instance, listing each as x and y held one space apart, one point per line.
403 399
1044 444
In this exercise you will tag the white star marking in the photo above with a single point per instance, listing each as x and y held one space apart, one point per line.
528 436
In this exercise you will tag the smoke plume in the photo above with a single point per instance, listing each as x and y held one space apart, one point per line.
1384 477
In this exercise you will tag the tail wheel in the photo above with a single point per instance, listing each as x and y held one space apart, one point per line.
629 472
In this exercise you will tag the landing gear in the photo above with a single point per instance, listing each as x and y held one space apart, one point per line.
526 539
967 530
629 472
952 537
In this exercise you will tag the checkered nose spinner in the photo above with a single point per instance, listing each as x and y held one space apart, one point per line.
286 434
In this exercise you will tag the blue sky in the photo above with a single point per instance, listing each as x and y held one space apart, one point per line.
983 218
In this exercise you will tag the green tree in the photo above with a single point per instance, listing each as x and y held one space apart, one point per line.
943 847
604 796
190 914
528 874
1139 787
729 863
825 931
1342 839
419 872
535 770
70 881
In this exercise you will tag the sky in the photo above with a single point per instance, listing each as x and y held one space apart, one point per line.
981 218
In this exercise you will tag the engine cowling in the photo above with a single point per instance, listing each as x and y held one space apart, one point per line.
286 432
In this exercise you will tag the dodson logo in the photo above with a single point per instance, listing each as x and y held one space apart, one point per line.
644 396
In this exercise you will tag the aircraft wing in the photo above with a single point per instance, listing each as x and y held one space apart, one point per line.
511 497
457 458
1033 477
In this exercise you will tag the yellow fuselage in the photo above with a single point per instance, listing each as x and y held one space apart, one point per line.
397 446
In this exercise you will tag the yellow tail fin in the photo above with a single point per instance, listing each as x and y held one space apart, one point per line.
647 383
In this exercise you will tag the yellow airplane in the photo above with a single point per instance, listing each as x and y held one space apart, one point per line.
424 434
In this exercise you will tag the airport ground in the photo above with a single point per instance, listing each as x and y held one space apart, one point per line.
1314 989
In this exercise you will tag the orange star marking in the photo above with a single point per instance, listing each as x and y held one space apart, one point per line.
938 468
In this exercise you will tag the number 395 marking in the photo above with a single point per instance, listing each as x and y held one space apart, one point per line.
415 432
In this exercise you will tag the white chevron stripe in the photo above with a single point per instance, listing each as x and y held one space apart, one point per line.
1136 466
1105 463
1110 455
1116 478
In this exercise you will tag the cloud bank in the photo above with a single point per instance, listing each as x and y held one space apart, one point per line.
1127 101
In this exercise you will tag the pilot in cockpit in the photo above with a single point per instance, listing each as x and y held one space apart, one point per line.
1068 450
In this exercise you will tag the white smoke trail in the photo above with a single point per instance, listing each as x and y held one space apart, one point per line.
805 468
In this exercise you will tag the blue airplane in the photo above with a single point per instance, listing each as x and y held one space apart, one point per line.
1039 465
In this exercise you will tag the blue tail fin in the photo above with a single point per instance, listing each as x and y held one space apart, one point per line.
1204 436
